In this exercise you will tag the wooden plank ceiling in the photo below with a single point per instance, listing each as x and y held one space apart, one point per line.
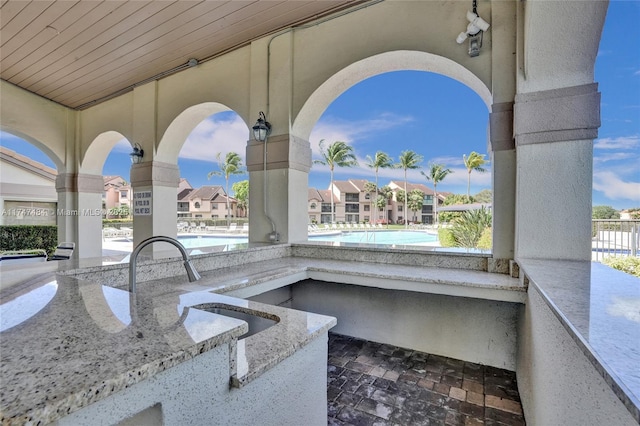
78 53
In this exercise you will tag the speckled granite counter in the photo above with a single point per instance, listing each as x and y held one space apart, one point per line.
600 308
83 341
68 342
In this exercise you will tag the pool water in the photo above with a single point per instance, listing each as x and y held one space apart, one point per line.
370 237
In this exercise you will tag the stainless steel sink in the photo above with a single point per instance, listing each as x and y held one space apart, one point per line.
257 321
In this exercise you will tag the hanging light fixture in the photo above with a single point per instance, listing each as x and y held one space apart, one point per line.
262 128
137 154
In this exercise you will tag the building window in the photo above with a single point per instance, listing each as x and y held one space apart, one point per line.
326 207
313 205
351 197
367 196
124 194
196 205
367 208
214 206
400 208
352 208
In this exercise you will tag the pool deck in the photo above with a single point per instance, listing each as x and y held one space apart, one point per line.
124 245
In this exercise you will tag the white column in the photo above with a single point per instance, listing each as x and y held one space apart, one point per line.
503 169
287 181
157 183
79 215
554 143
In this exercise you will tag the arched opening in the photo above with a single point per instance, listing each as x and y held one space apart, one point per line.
28 176
212 164
389 104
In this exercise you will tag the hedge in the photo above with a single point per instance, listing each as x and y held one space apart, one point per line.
29 237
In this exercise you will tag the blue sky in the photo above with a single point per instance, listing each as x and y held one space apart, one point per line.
438 118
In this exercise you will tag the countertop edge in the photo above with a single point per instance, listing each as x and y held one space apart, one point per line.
619 389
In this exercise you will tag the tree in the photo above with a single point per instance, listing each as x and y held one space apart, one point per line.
483 196
415 200
232 165
473 162
381 160
408 160
371 188
241 193
604 212
436 174
384 194
338 154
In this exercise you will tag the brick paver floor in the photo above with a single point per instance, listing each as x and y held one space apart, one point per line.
377 384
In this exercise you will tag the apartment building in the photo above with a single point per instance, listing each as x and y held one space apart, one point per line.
396 212
116 197
353 204
27 190
210 202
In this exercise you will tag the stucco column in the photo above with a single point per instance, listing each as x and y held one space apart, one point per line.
154 201
554 144
503 174
79 213
286 180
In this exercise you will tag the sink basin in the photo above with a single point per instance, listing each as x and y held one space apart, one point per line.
257 321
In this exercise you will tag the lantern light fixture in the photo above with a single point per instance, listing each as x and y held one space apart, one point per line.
262 128
137 154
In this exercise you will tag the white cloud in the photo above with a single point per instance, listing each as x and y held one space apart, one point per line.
621 142
613 156
212 136
614 187
448 161
352 132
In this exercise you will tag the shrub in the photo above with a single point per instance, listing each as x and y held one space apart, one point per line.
630 265
29 237
469 227
485 242
446 237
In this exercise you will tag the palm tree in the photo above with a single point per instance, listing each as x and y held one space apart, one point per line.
473 162
381 160
370 187
232 165
408 160
437 173
337 154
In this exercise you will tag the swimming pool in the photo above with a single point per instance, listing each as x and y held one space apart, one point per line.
371 237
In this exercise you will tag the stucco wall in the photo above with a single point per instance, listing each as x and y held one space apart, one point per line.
558 385
197 392
474 330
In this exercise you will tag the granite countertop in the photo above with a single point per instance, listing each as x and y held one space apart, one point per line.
81 340
600 308
68 342
404 277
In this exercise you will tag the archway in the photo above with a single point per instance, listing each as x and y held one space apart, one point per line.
392 63
29 170
379 64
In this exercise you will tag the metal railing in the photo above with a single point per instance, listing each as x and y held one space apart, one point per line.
617 238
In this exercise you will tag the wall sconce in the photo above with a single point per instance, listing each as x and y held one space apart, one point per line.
262 128
137 154
474 32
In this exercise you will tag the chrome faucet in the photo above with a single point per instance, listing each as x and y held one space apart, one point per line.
192 274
